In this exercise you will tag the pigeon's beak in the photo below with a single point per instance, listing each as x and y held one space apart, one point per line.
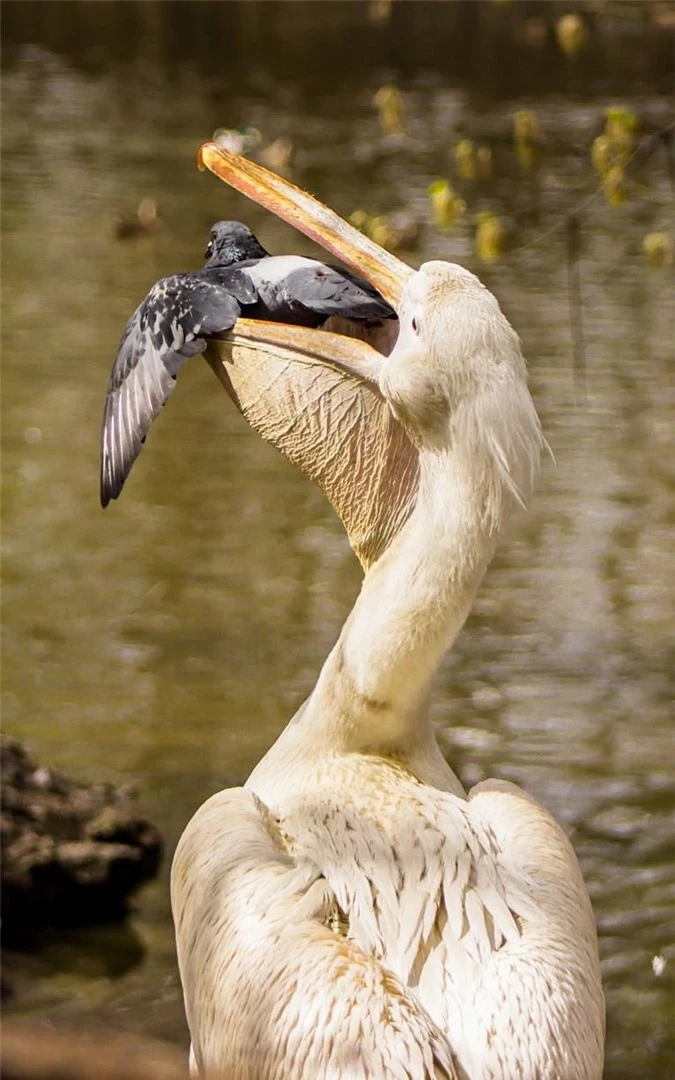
209 250
383 270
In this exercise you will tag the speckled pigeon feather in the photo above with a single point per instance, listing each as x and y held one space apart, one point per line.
171 325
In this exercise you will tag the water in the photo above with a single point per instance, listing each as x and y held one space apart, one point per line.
167 640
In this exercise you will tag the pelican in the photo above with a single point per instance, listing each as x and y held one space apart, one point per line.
352 911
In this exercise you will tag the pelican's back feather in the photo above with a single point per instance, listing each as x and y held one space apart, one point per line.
477 905
272 987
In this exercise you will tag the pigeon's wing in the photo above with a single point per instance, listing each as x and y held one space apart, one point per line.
165 330
235 280
329 290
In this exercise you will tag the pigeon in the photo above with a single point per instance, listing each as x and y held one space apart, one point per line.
181 312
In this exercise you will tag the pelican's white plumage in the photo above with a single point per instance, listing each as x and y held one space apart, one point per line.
352 912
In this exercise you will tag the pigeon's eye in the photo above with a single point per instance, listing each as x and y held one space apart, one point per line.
213 235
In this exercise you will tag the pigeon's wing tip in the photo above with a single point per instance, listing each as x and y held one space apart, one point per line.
167 328
113 473
108 489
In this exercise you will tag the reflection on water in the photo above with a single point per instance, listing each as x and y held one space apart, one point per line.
168 640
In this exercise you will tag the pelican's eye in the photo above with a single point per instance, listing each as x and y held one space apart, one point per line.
414 326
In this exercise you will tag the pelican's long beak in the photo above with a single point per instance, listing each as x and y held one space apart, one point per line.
383 270
346 354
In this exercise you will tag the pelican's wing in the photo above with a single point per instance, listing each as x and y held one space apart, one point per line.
478 903
553 964
272 986
164 331
313 395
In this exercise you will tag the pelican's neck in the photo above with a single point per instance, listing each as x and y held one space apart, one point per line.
416 598
372 691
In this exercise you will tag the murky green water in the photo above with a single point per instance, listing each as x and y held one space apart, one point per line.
167 640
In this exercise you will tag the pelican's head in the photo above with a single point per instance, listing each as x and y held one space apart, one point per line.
457 381
456 377
454 349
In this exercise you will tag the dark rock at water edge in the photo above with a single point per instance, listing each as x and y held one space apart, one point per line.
71 853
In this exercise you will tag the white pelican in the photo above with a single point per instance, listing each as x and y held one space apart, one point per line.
352 912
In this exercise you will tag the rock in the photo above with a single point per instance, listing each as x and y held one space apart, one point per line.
71 853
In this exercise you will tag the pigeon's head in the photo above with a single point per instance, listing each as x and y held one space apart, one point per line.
232 242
